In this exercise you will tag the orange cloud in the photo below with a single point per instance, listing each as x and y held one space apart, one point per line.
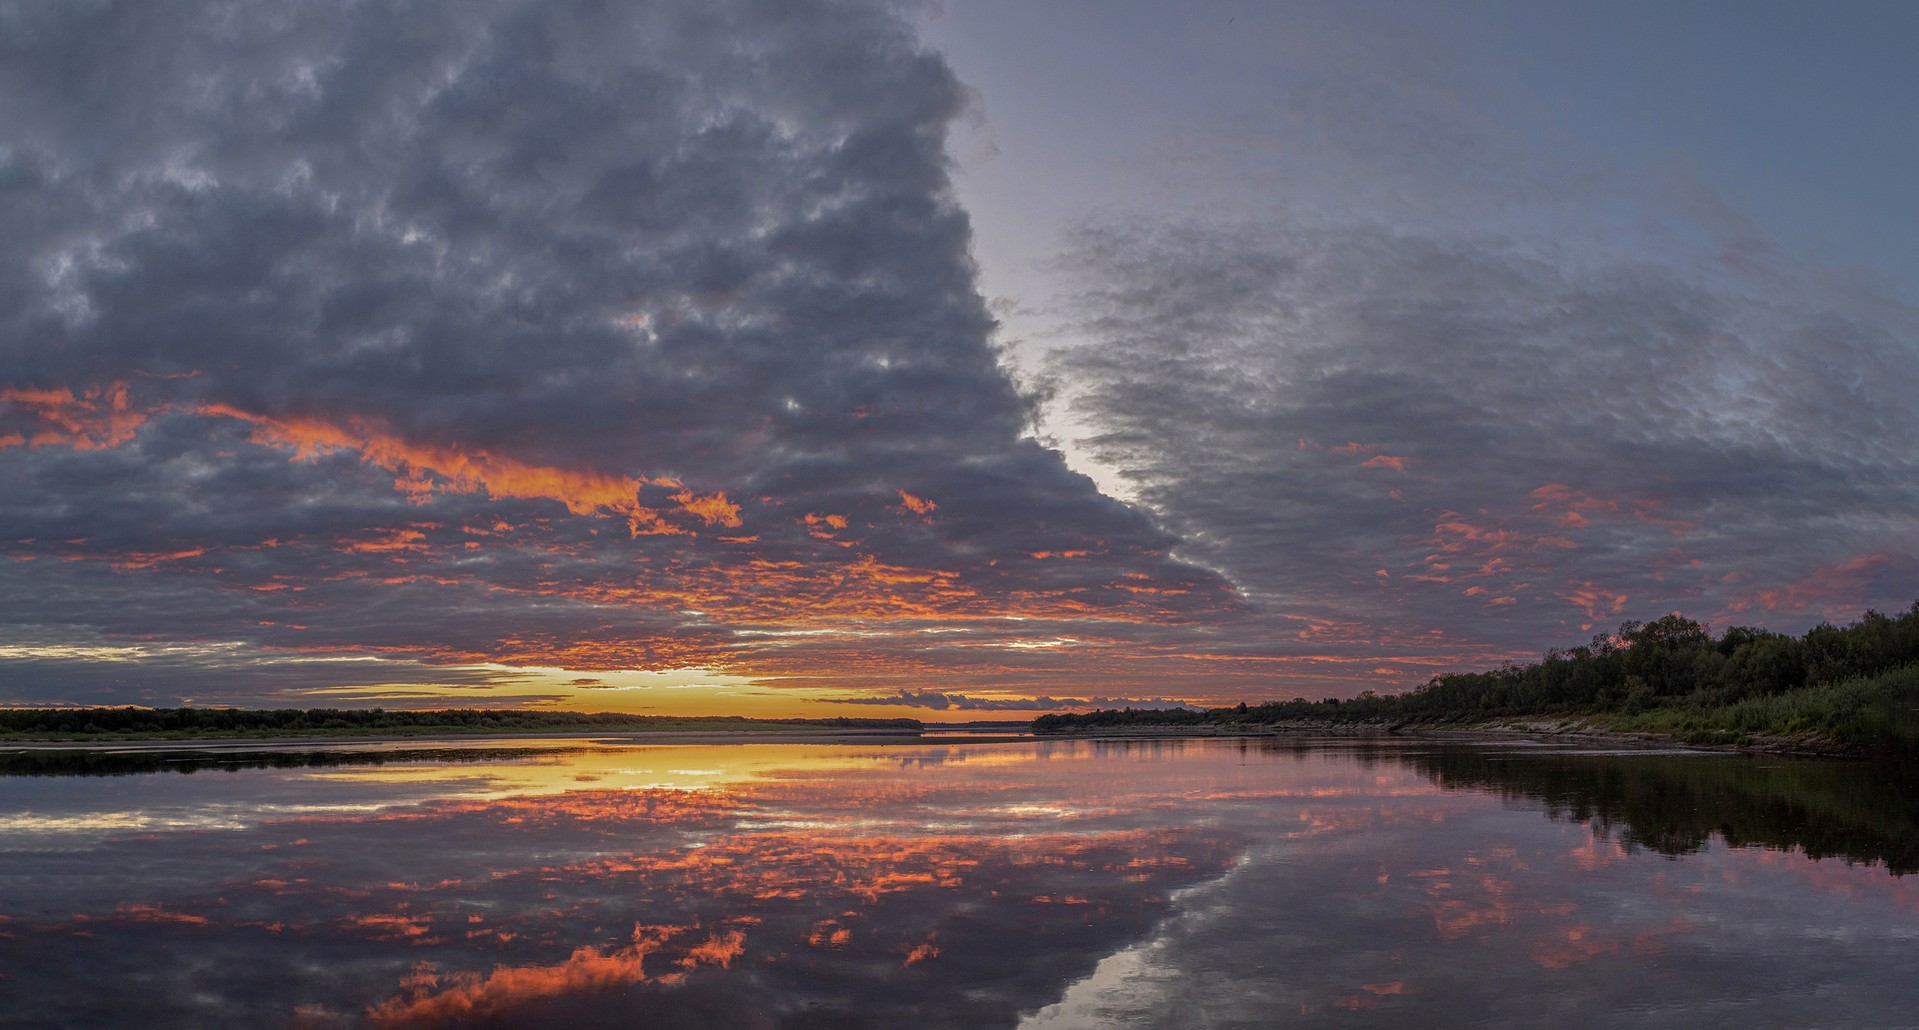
823 527
1596 601
917 505
1829 589
145 913
390 926
387 542
717 951
1559 495
99 417
1454 535
425 468
148 559
470 996
714 511
1572 504
828 934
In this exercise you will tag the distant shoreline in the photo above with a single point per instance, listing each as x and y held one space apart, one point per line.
1841 692
91 726
237 743
1566 730
1570 730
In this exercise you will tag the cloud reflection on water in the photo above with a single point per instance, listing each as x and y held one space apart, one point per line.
1066 884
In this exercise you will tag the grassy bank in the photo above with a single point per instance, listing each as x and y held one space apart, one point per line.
1863 713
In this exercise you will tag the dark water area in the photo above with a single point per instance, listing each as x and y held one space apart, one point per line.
1040 884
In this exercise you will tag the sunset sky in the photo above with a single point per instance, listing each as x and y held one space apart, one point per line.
953 360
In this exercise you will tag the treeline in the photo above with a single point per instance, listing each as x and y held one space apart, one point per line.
1860 811
1674 657
80 723
1856 685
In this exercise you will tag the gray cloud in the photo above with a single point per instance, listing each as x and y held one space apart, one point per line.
491 334
1427 439
380 328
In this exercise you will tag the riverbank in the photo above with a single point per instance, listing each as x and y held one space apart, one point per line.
1851 692
121 757
335 740
1583 730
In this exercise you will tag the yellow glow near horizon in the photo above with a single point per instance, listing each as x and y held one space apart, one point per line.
630 767
668 692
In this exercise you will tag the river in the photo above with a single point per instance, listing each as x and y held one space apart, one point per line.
1032 884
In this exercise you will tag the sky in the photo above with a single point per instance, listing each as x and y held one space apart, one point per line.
963 360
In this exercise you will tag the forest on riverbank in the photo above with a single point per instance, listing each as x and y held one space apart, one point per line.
1852 688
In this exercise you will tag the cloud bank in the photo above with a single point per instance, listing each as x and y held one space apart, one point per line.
538 334
1471 387
1416 431
382 352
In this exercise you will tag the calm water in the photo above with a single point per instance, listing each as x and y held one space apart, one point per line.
1202 883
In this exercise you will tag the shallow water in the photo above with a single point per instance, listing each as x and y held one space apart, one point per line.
1029 884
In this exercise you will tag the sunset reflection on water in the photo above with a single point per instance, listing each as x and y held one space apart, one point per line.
1056 883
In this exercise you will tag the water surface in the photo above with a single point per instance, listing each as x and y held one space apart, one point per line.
1027 884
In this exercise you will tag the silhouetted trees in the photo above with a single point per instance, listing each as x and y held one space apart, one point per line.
1675 657
1671 664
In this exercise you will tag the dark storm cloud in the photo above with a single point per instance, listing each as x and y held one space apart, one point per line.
576 231
548 333
1428 436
